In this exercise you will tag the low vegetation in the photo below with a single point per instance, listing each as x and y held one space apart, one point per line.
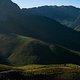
40 72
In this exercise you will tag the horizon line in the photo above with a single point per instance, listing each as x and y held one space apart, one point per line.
48 6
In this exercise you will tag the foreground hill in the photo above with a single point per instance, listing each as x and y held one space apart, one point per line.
21 50
40 72
64 14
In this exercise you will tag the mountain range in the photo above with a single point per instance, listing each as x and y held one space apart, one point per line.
28 37
66 15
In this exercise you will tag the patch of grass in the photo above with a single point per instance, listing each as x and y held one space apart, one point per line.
40 72
5 68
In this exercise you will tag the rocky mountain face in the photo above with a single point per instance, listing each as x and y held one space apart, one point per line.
76 24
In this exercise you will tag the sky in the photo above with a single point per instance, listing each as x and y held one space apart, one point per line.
36 3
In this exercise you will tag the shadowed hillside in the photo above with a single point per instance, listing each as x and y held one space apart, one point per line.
21 50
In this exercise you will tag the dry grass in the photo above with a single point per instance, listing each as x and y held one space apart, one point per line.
57 72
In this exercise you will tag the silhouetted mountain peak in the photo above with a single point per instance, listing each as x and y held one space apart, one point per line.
8 9
7 4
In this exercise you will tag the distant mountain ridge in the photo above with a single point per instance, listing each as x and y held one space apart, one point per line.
64 14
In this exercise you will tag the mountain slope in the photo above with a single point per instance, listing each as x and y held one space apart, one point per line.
64 14
39 27
10 17
52 32
76 24
22 50
17 46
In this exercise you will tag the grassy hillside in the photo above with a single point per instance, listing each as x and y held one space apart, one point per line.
40 72
21 50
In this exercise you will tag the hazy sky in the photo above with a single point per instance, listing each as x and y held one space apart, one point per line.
35 3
